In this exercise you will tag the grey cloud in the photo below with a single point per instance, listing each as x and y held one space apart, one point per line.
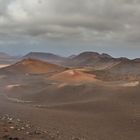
93 20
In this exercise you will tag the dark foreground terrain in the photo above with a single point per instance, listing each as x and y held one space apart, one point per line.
16 129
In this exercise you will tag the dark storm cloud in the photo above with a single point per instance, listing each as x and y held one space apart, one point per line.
88 20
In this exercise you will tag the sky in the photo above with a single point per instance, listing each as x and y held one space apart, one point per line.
68 27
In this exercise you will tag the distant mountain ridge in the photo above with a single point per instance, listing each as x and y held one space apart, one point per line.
4 55
82 59
49 57
6 59
92 59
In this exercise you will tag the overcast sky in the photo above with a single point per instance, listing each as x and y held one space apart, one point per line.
70 26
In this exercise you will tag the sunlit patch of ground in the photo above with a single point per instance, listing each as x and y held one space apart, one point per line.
131 84
3 65
12 86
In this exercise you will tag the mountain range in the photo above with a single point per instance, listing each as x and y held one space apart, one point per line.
104 66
